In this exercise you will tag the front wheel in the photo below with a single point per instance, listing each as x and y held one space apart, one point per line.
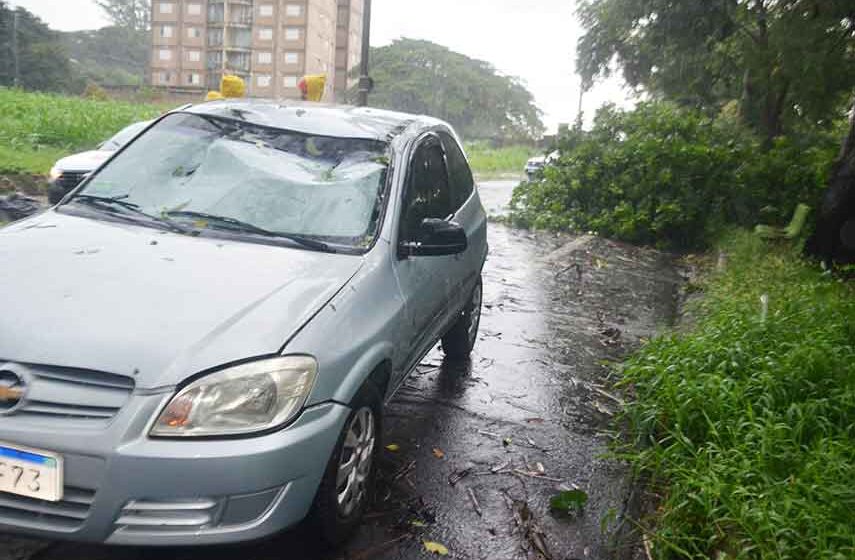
348 482
459 341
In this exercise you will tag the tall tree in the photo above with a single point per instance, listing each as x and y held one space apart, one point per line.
110 55
31 54
781 59
130 14
423 77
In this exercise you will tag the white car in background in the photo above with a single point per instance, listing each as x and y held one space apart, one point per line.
68 172
536 164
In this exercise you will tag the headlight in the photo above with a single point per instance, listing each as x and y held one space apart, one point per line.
55 174
243 399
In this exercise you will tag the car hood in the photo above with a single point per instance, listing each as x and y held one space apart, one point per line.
153 305
84 161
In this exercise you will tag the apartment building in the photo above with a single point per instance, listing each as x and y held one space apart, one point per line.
271 44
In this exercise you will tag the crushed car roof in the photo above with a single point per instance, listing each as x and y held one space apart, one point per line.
313 118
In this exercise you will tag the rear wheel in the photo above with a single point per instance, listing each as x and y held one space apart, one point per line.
459 341
348 482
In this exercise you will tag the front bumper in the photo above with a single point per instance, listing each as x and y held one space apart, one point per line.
122 487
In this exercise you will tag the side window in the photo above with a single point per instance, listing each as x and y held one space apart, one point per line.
428 194
460 176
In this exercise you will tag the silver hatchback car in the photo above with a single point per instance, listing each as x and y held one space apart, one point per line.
196 344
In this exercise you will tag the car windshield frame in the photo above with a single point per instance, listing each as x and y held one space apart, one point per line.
372 236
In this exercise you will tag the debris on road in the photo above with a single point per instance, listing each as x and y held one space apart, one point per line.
569 502
435 548
457 476
475 503
17 206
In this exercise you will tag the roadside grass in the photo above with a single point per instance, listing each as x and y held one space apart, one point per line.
38 128
488 162
27 160
747 426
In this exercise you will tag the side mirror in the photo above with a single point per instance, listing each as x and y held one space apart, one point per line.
436 238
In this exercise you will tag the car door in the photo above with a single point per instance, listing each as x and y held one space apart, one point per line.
469 213
424 282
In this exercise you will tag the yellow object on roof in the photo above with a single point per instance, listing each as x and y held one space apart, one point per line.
232 86
315 85
214 96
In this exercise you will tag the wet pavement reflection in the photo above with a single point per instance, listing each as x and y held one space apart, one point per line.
482 446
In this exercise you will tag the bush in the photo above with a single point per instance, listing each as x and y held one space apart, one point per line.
670 177
748 425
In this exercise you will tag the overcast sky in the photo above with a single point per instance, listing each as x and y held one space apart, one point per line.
532 39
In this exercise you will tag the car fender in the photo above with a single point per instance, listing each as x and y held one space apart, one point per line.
376 361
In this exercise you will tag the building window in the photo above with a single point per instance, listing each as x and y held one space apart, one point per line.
194 9
293 10
164 77
194 56
164 54
194 79
265 57
265 10
194 32
292 33
166 7
166 31
289 81
263 81
265 34
292 58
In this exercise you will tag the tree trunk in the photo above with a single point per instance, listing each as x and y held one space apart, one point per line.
833 239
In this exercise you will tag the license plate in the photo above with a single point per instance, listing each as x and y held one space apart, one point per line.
30 473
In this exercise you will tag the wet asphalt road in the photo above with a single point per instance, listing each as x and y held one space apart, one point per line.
483 446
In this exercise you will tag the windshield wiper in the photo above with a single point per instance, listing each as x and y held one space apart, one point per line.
110 202
246 227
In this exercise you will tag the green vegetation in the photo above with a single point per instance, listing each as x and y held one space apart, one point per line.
424 78
37 128
108 56
783 63
43 63
672 177
488 161
746 423
27 160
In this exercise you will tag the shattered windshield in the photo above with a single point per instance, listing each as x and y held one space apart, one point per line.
209 173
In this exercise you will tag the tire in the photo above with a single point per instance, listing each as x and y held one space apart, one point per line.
332 518
459 341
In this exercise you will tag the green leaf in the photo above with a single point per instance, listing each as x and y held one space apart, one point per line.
568 502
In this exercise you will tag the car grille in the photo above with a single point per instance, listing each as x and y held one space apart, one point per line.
72 395
70 179
65 516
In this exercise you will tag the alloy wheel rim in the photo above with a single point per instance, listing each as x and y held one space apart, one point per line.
357 456
474 314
